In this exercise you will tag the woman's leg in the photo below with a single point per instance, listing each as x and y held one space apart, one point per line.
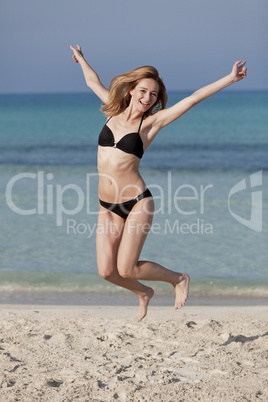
134 234
109 234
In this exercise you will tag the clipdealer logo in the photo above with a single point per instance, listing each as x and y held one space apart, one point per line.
255 220
192 198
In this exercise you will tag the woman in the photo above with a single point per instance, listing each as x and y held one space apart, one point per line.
135 107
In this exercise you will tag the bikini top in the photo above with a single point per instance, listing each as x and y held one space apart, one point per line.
130 143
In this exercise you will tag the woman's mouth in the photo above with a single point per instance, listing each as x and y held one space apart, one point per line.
144 104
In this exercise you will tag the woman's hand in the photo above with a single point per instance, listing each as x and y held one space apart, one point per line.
239 72
78 55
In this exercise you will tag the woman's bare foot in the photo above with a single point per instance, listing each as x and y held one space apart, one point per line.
144 301
181 291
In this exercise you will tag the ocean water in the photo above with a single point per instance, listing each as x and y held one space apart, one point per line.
208 172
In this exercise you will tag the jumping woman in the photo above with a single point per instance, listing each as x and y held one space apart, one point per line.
135 107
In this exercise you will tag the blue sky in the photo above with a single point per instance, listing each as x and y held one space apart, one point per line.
191 42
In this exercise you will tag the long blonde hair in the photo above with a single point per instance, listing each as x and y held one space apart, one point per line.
120 87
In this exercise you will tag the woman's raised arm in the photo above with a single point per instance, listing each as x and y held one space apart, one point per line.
167 116
91 77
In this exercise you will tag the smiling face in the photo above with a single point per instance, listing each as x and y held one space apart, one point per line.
145 94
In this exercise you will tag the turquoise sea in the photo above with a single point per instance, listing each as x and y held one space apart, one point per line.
208 172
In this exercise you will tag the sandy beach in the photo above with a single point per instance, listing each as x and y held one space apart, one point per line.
100 353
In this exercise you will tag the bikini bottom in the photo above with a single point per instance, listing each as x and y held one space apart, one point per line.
124 208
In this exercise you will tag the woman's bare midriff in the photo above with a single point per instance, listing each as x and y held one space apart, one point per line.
119 177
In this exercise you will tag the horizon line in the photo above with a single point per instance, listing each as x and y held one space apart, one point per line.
90 92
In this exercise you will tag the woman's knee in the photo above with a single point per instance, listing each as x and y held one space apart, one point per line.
105 271
126 271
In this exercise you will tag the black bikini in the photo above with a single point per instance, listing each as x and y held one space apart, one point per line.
124 208
132 144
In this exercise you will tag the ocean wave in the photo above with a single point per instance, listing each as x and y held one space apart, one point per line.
169 156
160 147
36 283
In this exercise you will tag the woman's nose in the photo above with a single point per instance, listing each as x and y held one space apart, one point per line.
147 97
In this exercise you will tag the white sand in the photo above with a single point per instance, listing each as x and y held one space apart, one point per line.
102 354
